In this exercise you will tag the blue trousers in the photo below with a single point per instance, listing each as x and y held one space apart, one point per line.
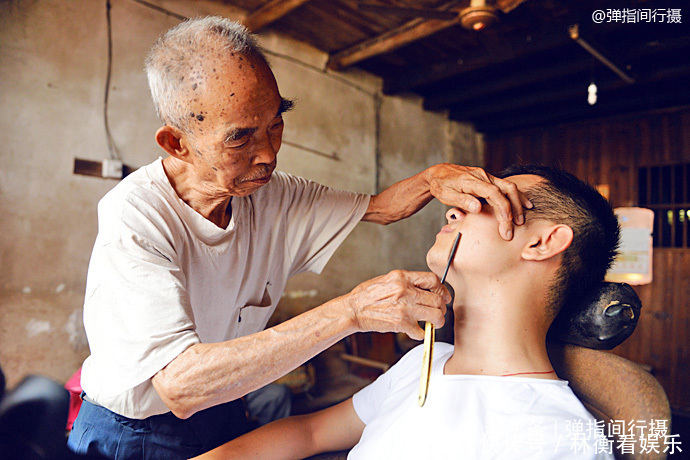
272 402
99 431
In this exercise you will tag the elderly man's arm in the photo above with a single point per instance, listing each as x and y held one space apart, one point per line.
453 185
329 430
205 375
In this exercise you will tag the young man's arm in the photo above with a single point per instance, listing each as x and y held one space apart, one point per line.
333 429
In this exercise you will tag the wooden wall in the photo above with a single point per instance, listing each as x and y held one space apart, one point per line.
610 152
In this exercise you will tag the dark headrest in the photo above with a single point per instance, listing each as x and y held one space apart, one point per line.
603 319
33 416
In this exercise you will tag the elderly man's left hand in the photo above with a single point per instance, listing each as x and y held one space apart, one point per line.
454 185
462 186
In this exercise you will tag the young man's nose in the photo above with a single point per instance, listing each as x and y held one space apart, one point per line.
454 215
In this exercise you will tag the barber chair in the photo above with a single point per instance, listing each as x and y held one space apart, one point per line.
32 420
613 389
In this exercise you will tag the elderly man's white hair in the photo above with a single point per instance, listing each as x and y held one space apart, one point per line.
173 56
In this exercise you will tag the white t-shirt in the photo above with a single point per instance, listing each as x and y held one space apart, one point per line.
162 277
471 416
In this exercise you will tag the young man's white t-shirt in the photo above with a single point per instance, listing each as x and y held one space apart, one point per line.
162 277
472 417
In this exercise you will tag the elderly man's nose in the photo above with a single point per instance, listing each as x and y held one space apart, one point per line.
266 153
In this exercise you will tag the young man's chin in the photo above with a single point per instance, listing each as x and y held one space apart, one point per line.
434 263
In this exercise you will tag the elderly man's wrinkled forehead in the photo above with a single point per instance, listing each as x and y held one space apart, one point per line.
217 61
221 80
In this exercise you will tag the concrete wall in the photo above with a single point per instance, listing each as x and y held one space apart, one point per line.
53 64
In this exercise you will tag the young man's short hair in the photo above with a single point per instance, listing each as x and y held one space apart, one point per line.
564 199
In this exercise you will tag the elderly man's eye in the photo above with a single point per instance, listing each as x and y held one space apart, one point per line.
233 144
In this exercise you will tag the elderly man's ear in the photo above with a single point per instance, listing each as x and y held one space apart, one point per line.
173 141
546 241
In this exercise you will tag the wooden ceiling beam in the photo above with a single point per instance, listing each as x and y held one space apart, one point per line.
464 92
625 101
522 46
393 39
508 5
271 12
520 102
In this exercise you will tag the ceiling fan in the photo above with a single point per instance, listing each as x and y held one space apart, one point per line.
477 16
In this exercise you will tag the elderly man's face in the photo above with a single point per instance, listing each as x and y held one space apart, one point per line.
236 124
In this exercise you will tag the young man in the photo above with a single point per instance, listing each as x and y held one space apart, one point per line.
494 393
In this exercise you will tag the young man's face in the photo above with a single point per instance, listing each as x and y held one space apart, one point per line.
481 251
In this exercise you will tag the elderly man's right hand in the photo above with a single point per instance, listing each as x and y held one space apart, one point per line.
396 302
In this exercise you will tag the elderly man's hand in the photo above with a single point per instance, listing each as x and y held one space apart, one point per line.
458 186
396 302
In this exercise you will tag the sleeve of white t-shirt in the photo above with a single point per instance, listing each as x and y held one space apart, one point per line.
319 218
368 401
136 293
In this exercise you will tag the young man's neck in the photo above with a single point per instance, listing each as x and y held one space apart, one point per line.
501 335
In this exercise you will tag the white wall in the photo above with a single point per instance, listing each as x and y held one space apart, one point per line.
343 133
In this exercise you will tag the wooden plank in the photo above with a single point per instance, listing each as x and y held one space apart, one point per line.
271 12
681 347
425 13
475 90
409 32
521 45
95 168
88 167
508 5
622 102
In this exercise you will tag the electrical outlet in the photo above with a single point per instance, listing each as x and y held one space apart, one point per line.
112 169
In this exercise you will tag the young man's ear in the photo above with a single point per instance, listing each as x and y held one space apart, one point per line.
548 242
173 141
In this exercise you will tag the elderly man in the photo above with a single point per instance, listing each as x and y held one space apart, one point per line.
194 250
494 393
